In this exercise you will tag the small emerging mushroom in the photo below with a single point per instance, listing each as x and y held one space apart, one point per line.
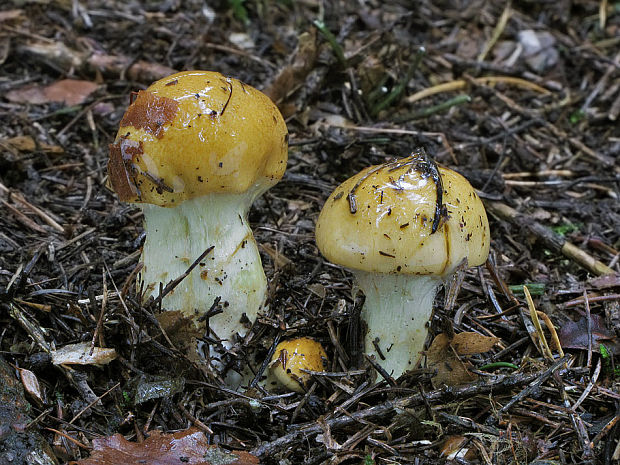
294 355
195 150
402 228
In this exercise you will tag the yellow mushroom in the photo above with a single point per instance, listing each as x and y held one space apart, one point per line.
293 356
402 228
195 150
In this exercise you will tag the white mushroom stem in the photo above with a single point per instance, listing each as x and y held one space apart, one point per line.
177 236
396 312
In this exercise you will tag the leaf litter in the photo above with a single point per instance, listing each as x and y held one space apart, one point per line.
184 447
534 132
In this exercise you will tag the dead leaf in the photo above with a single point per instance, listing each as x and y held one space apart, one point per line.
574 335
70 91
32 94
451 370
443 356
22 143
453 447
79 354
181 330
278 258
181 448
31 385
28 144
470 343
294 74
67 91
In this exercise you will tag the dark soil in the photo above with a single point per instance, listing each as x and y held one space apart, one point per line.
542 139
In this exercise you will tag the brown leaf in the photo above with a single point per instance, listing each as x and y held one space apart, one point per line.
456 446
280 260
32 94
294 74
28 144
470 343
31 384
70 91
438 347
181 330
181 448
67 91
574 335
22 143
119 174
451 370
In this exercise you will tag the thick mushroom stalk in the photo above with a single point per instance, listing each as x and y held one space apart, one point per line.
396 341
195 150
402 228
230 274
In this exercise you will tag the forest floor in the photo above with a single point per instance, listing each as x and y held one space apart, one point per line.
521 98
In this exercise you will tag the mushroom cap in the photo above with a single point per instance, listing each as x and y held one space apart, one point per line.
292 356
194 133
381 220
